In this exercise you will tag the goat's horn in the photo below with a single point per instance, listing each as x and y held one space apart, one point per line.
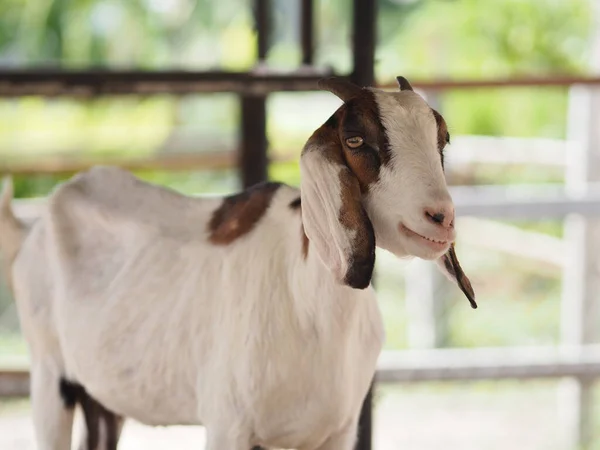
404 84
341 87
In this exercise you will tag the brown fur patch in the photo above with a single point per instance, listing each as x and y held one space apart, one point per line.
239 213
361 117
354 217
357 117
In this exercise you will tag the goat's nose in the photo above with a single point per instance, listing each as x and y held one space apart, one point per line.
442 217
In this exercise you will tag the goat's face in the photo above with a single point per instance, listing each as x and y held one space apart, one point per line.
373 174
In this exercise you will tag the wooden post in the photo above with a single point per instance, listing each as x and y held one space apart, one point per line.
364 36
307 31
253 159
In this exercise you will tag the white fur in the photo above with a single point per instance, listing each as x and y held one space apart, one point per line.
415 179
118 289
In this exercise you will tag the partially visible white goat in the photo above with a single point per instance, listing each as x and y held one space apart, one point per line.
251 314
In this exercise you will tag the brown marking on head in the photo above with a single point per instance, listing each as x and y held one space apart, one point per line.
354 217
239 213
359 166
358 117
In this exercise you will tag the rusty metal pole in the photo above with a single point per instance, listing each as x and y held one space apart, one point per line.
253 159
364 36
307 31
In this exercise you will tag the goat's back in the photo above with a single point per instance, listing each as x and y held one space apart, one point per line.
116 266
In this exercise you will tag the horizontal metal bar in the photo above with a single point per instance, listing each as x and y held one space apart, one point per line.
513 240
86 83
525 201
171 162
489 364
440 365
469 149
537 82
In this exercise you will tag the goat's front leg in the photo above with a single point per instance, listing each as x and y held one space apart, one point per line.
52 412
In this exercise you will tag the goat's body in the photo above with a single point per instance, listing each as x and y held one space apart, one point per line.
121 290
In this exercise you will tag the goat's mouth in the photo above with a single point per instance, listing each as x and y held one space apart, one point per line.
437 245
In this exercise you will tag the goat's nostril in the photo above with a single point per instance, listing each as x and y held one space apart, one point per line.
440 218
437 218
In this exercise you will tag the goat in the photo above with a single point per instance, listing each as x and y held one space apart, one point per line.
253 314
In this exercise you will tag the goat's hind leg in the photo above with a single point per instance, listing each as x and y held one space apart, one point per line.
53 406
102 427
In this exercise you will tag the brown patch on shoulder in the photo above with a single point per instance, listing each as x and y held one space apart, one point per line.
239 213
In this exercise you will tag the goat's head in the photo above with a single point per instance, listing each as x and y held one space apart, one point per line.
373 173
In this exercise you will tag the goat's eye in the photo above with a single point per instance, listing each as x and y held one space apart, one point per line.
354 141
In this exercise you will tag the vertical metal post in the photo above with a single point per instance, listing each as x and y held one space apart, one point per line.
307 31
262 20
364 36
253 161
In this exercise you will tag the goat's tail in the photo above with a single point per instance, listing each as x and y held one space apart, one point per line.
12 230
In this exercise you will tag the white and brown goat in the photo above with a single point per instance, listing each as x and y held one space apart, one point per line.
252 314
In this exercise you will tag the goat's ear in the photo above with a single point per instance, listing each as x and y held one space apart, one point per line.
333 217
451 268
404 84
341 87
